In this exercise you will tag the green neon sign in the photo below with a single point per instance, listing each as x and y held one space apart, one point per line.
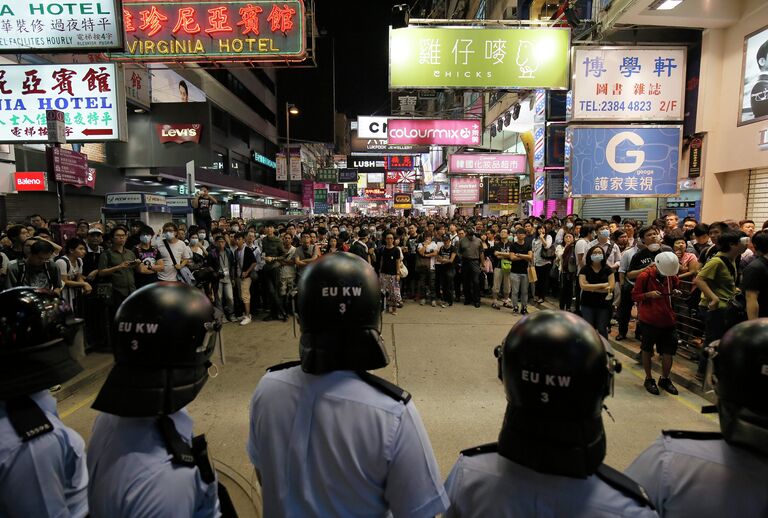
476 57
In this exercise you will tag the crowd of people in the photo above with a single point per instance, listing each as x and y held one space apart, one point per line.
598 268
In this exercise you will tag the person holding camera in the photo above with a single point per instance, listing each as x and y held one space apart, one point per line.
202 204
222 262
116 269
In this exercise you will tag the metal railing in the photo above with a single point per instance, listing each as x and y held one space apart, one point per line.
690 328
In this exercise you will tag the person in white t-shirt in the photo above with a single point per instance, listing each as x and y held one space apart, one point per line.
580 250
181 253
70 266
425 269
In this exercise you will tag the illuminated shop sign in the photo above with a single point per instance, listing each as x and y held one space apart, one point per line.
261 159
238 30
51 25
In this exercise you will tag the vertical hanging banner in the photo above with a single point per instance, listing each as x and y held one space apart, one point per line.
465 190
281 169
628 83
307 193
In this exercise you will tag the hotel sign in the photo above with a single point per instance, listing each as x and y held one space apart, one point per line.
50 25
237 30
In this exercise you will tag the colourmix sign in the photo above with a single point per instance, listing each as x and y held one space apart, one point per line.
441 132
625 161
478 58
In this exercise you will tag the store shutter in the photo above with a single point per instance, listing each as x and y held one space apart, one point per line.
606 207
757 196
19 206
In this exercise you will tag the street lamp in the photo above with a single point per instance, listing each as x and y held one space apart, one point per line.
290 109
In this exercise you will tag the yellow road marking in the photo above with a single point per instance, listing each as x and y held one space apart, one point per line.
78 406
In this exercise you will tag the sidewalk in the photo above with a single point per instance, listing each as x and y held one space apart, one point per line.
95 366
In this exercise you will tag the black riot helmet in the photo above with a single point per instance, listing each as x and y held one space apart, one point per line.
36 330
556 373
741 384
165 335
339 308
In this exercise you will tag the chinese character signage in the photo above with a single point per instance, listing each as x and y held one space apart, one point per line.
503 190
465 190
281 169
55 26
69 167
628 83
403 200
400 162
625 161
347 175
326 175
91 97
237 30
138 86
462 57
321 195
441 132
395 177
486 163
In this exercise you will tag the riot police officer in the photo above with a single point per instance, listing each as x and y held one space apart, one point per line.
326 437
710 474
42 462
549 457
142 457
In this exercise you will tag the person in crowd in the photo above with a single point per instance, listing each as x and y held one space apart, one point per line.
198 251
288 273
689 223
116 268
585 236
142 456
630 227
70 266
390 265
151 260
313 419
715 231
202 204
272 252
689 264
222 261
427 250
445 267
470 249
620 238
18 234
42 461
409 244
700 240
521 255
711 475
37 221
308 252
754 281
174 253
653 292
330 248
609 248
245 262
566 261
37 270
672 222
596 281
543 249
502 268
548 460
360 246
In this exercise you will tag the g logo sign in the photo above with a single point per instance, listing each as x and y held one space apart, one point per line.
639 156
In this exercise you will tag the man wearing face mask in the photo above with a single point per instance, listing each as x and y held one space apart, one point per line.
151 261
611 251
172 245
644 258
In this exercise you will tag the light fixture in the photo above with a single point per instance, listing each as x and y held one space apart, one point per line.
664 5
507 118
516 111
138 110
400 16
499 125
292 109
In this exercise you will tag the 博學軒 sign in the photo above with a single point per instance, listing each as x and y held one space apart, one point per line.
486 163
197 30
465 190
625 161
463 57
442 132
55 26
628 83
90 96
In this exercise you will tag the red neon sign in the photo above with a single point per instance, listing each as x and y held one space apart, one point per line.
25 182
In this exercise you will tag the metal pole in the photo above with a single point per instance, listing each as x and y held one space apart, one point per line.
59 190
288 144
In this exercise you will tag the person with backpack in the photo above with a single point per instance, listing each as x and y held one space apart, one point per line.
37 270
70 266
543 255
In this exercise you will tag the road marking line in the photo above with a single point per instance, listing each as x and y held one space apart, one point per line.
70 411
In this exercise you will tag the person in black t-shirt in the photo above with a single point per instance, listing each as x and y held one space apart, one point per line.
644 258
446 270
202 204
501 269
596 280
754 281
390 259
521 255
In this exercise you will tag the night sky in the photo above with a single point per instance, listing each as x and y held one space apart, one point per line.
359 31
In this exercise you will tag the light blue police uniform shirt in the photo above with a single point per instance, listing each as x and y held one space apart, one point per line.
332 445
703 478
132 474
45 476
489 485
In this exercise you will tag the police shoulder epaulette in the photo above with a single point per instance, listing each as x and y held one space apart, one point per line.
27 419
686 434
622 483
382 385
283 366
491 447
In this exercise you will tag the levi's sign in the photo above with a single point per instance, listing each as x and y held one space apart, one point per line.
51 25
441 132
179 133
236 30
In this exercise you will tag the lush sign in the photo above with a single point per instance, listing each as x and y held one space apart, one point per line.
628 83
237 30
51 25
91 97
462 57
625 161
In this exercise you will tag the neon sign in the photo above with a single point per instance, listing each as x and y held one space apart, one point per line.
238 30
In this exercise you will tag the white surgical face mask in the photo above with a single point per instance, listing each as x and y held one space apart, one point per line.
654 247
235 228
170 235
194 241
597 258
605 233
201 235
569 225
146 239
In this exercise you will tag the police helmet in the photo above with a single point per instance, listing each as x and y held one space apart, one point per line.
165 335
339 308
36 330
556 374
741 384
